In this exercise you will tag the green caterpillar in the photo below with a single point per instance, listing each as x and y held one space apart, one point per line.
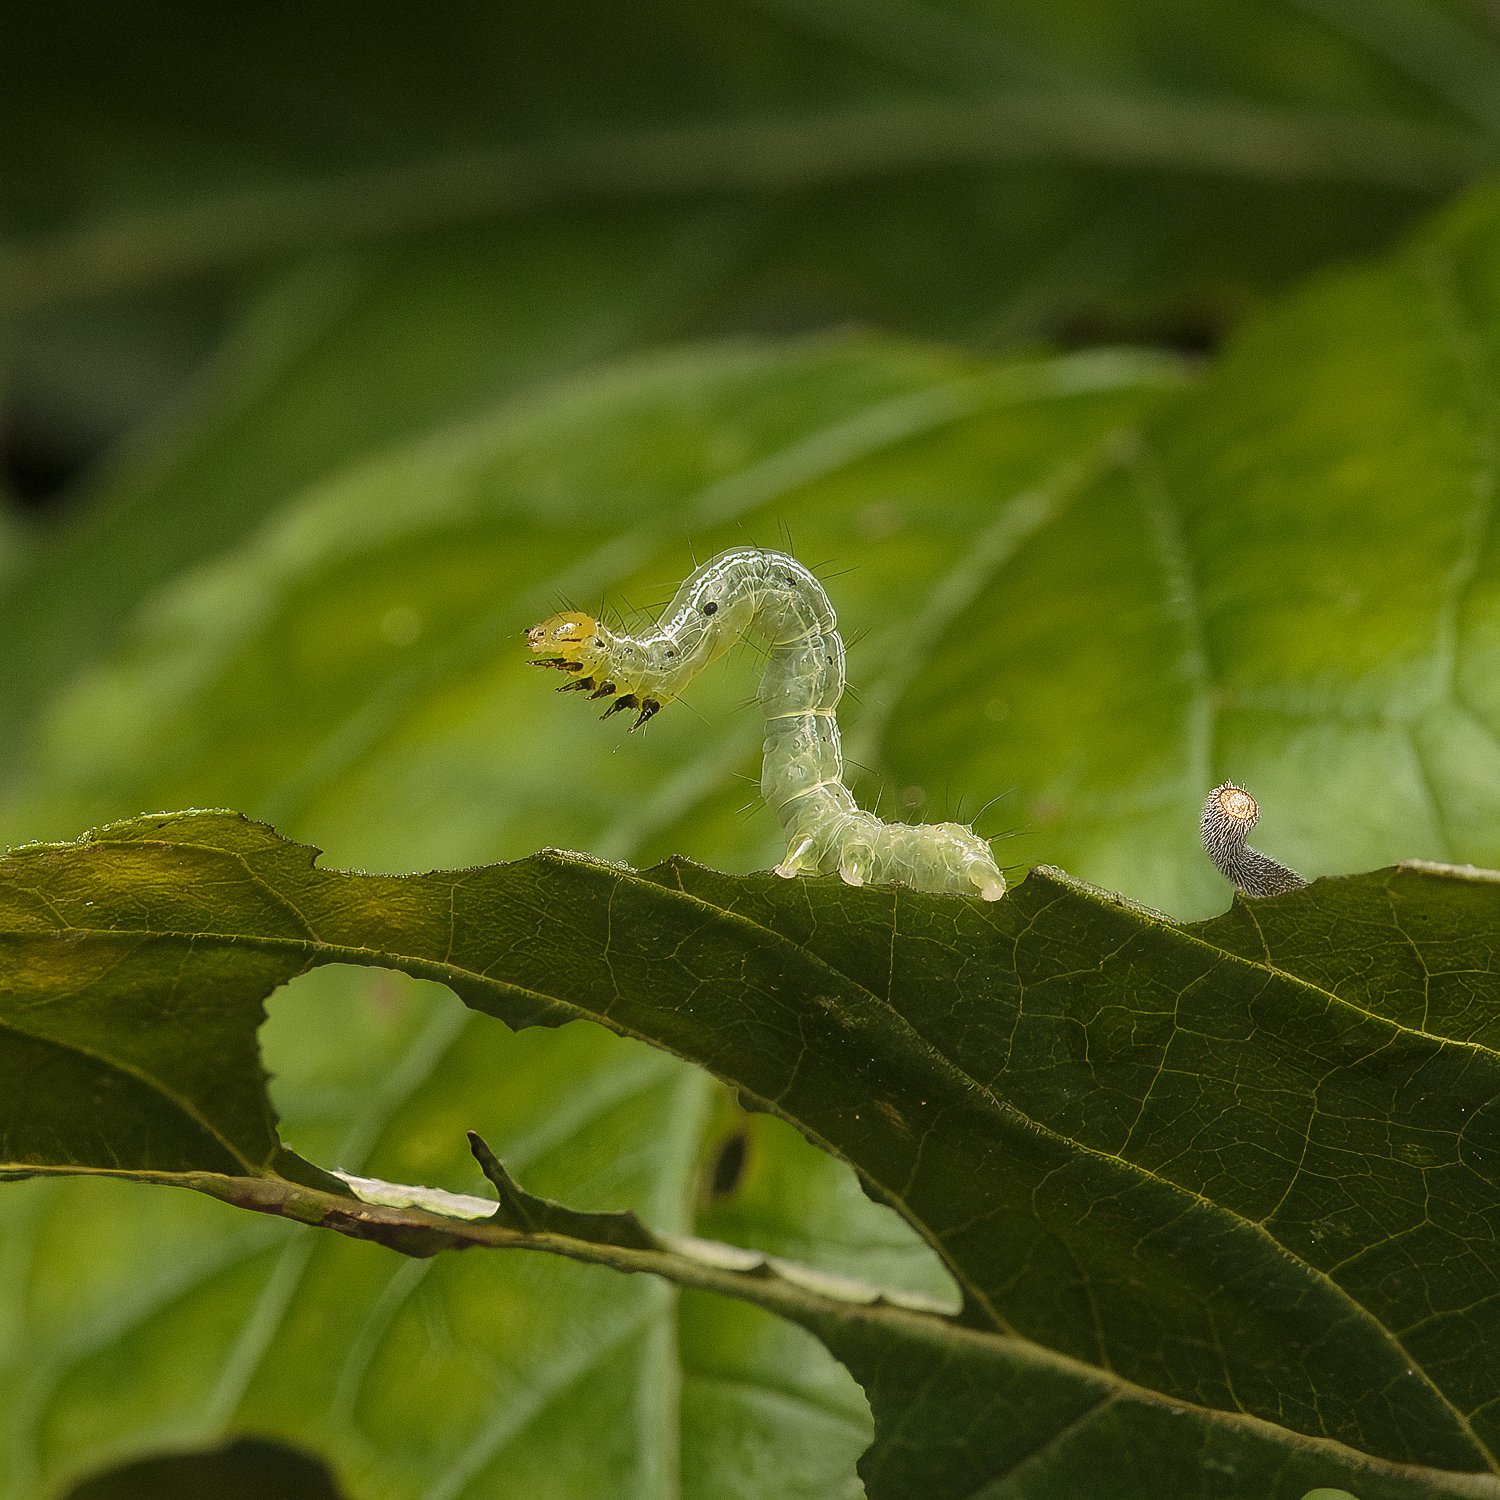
802 769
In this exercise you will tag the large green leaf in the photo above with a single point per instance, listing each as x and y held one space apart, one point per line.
164 1329
1200 1204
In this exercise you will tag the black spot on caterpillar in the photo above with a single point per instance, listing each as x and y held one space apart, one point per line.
1228 816
802 767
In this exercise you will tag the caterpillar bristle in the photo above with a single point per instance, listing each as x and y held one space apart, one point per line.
604 690
583 685
649 709
997 838
628 701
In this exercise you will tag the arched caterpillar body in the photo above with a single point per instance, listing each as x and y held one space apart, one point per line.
802 768
1228 816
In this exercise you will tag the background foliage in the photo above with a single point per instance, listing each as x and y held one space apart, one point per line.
340 352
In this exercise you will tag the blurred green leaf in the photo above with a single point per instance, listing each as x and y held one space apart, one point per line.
1264 602
405 585
225 144
349 665
983 172
1200 1206
341 357
977 171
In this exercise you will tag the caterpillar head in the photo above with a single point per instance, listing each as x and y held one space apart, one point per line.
569 641
1236 809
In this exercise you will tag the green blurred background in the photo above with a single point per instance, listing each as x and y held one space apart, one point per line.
340 343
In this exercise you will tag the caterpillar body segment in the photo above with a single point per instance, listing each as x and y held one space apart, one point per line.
802 766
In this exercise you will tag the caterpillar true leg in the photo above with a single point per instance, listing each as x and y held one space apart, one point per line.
1228 816
802 768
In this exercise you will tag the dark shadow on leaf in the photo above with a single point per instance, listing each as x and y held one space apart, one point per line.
249 1469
